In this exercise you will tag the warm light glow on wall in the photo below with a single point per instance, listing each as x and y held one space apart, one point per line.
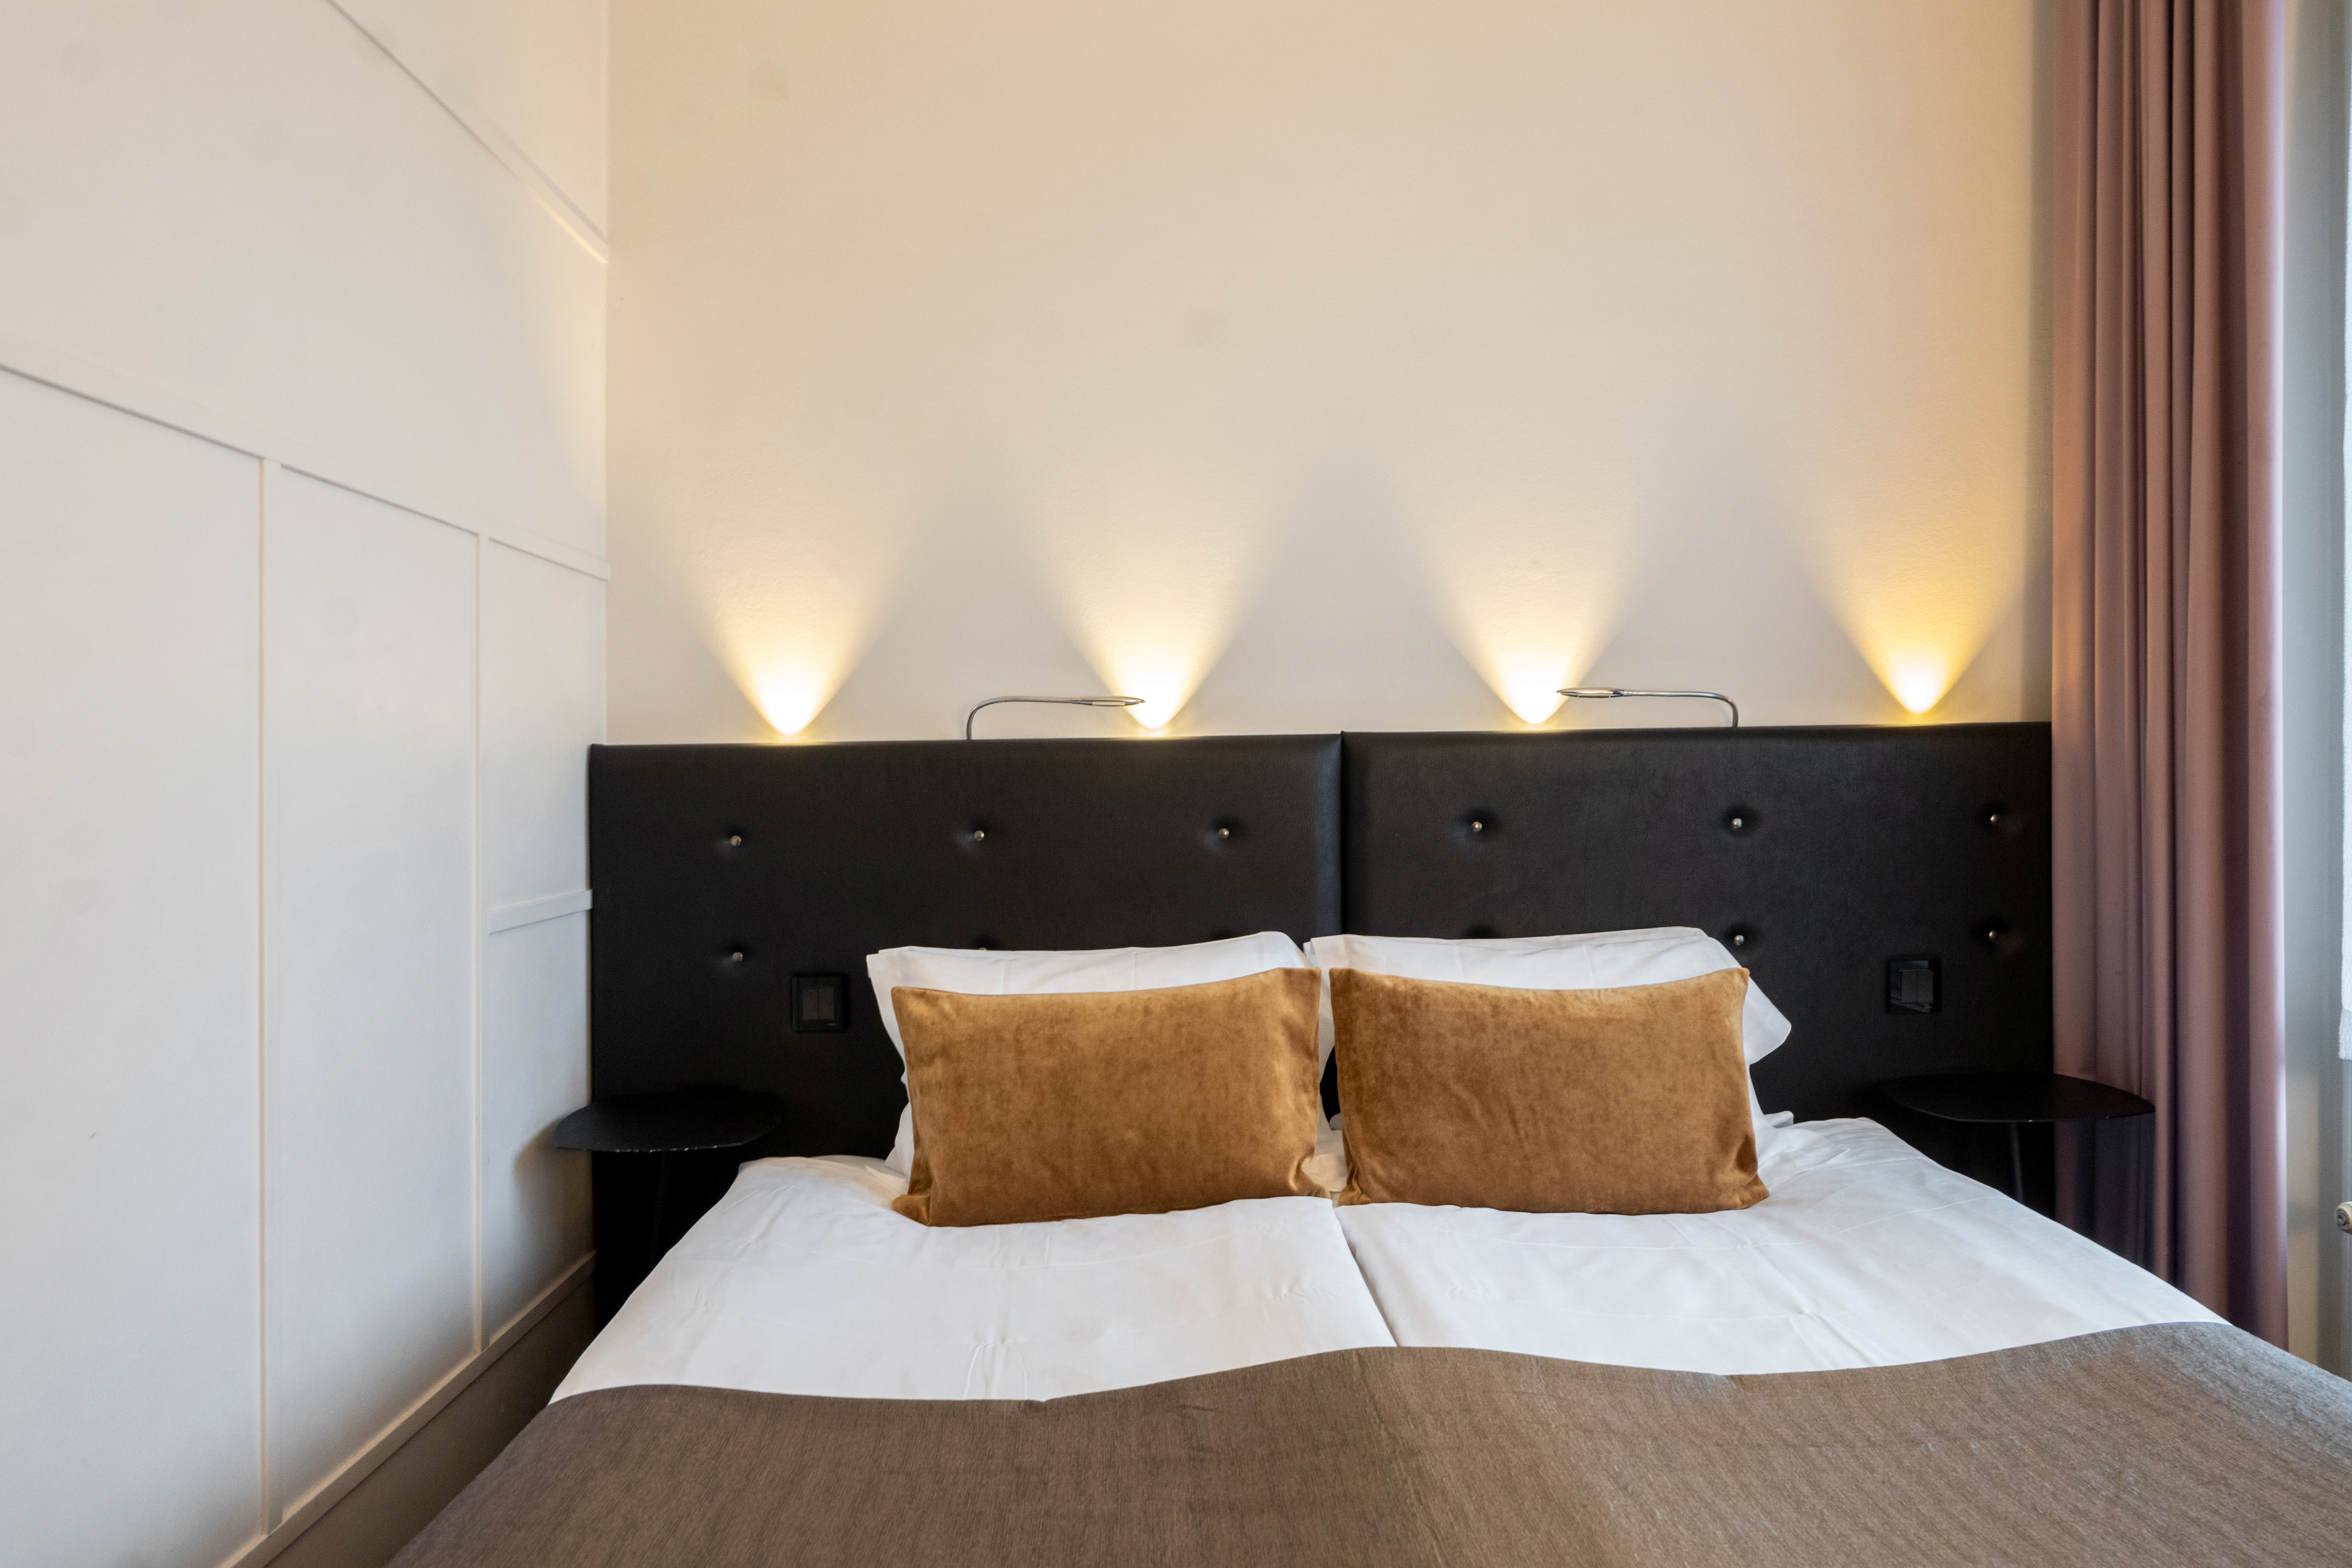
789 601
788 679
1919 583
790 665
1530 597
1165 684
1925 551
789 698
1150 588
1919 637
1918 677
1530 687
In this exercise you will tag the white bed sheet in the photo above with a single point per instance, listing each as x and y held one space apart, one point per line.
802 1280
1867 1254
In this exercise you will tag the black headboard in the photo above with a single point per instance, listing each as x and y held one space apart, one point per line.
1852 846
804 859
1825 852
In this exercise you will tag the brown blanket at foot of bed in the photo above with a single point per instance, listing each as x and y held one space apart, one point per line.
2186 1443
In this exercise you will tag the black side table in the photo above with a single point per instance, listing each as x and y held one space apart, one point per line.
2015 1098
686 1122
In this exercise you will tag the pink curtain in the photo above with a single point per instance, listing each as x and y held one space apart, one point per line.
2165 631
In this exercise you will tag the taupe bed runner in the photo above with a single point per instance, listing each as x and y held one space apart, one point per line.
2188 1442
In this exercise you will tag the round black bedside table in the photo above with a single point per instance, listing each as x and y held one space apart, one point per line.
686 1122
2015 1098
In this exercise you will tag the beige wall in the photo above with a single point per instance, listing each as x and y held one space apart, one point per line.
1324 365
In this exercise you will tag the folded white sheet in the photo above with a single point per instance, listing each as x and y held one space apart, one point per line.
802 1280
1867 1254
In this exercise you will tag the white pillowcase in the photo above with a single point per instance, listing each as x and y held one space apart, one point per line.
1583 962
978 971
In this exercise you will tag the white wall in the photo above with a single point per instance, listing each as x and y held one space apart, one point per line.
1323 364
301 600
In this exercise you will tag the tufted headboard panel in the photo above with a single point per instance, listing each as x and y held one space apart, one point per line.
1817 853
804 859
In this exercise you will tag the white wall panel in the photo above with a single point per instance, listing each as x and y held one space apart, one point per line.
543 630
130 1279
535 1218
247 203
369 930
542 708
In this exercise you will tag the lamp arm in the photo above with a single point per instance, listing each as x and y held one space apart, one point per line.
1716 696
1629 691
1064 702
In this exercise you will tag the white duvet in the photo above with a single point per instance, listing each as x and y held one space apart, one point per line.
1867 1254
802 1280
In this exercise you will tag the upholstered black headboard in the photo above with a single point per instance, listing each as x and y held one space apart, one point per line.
1852 846
804 859
1817 853
721 872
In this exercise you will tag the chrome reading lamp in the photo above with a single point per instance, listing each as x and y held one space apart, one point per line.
1627 691
1064 702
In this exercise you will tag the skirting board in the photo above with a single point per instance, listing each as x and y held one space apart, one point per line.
357 1469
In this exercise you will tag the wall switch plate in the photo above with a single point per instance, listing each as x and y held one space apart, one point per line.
1914 985
820 1003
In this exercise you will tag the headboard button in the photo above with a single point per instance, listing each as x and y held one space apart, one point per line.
2001 936
736 840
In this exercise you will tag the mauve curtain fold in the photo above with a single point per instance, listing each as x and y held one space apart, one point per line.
2165 630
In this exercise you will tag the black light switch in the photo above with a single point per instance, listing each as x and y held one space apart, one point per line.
820 1003
1914 985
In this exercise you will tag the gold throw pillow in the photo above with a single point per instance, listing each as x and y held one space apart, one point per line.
1629 1099
1069 1106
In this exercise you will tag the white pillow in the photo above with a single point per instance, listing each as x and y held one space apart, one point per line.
1584 962
978 971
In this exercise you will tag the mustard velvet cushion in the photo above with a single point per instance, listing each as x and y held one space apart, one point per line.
1069 1106
1629 1099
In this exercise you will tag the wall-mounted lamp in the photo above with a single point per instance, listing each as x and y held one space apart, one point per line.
1064 702
1627 691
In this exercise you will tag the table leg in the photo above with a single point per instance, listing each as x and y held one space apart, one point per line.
2016 1166
661 1201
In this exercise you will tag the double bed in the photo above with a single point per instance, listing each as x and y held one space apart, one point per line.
1885 1360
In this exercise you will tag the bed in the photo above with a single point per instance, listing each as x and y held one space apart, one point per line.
1885 1360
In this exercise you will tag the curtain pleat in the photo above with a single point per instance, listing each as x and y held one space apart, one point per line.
2164 628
